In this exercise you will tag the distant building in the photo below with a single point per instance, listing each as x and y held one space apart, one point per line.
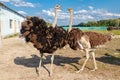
10 21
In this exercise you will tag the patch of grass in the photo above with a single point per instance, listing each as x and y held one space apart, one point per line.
115 32
10 36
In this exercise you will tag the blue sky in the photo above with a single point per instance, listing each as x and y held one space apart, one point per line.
83 10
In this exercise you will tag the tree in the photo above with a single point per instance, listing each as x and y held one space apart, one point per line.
109 22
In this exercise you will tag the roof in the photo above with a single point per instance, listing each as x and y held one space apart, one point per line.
1 4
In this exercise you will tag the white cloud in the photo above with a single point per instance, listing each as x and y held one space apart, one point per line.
63 15
80 11
111 14
118 15
22 12
48 13
91 7
81 15
104 13
19 3
4 0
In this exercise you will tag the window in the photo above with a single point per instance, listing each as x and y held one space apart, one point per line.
11 23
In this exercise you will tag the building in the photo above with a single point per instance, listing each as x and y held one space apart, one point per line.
10 21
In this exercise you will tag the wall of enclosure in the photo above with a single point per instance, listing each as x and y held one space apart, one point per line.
89 28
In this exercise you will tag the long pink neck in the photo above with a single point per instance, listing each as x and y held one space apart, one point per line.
70 24
55 19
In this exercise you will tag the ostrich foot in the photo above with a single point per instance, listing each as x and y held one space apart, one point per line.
94 69
50 74
64 47
80 71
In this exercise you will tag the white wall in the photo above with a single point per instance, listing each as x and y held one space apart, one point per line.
5 16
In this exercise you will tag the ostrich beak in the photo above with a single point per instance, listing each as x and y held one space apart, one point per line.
20 35
21 38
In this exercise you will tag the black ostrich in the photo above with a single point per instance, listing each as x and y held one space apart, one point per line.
45 39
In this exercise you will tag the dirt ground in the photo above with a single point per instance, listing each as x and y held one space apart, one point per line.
19 61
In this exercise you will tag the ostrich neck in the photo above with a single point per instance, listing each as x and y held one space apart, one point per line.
55 19
70 25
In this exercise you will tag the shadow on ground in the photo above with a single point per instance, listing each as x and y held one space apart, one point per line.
107 58
118 50
34 61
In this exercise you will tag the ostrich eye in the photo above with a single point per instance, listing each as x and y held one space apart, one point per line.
28 22
22 31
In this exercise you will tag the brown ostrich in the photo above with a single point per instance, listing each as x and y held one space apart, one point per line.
86 41
45 39
110 28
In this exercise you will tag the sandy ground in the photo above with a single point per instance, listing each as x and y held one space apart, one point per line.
20 61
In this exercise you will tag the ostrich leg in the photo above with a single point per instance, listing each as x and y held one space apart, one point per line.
51 68
87 57
95 65
40 63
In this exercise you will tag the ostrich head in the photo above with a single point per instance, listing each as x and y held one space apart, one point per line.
36 21
109 36
70 10
57 7
26 30
31 27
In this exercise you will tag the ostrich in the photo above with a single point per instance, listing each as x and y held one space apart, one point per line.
86 41
45 39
